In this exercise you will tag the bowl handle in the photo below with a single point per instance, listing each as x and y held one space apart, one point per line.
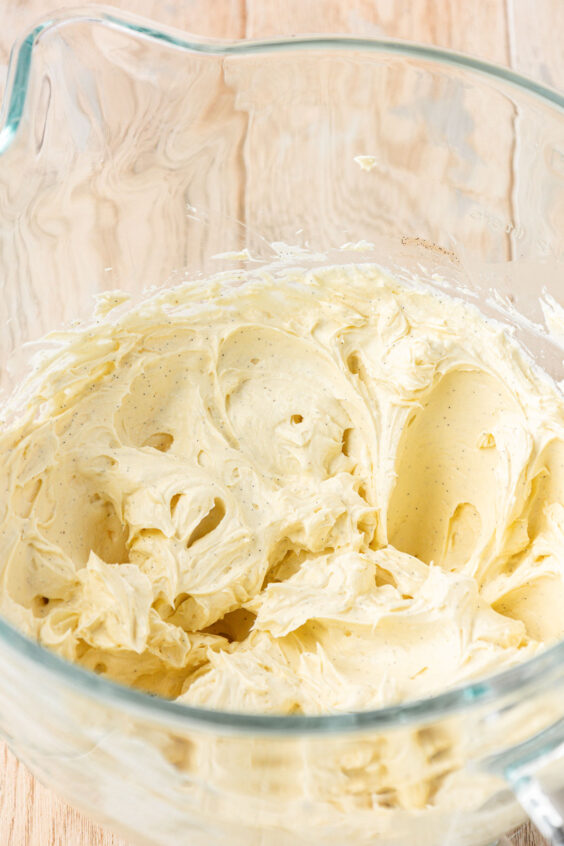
535 772
545 808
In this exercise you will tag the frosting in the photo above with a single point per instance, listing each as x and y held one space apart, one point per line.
326 491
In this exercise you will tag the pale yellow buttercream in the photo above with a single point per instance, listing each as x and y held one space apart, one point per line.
322 492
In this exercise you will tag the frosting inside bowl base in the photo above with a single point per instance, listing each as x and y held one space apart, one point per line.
326 491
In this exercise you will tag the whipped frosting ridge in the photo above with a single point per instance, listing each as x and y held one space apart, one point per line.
323 492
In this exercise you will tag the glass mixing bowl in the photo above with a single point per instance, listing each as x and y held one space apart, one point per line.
134 157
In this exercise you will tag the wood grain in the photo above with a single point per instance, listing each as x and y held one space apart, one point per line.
512 32
462 26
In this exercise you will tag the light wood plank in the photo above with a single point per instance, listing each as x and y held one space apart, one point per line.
477 28
407 199
535 39
32 815
527 835
218 19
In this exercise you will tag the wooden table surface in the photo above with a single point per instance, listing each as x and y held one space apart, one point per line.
526 36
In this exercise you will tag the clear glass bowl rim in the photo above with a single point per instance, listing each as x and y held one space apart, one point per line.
542 668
